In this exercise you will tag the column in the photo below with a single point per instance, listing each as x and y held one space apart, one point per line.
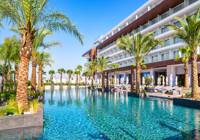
115 78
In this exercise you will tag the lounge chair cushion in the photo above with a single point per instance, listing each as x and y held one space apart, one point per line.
171 90
161 89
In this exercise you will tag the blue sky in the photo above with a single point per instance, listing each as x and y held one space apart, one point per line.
92 17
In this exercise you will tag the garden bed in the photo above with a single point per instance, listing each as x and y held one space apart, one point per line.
187 103
22 121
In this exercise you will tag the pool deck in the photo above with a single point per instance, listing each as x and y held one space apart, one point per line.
160 95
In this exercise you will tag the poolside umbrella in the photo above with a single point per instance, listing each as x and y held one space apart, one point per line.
127 80
167 81
176 81
143 80
170 82
163 78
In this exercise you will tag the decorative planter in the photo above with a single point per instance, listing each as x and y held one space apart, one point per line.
21 133
22 121
187 103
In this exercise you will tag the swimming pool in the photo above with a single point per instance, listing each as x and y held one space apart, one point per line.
86 114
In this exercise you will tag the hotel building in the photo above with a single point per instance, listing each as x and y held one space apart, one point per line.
150 17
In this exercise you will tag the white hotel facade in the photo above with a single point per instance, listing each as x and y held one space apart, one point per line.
150 17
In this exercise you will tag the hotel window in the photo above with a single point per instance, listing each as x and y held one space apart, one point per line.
166 42
177 23
177 40
192 1
163 16
154 21
178 8
155 58
164 29
175 53
155 33
165 56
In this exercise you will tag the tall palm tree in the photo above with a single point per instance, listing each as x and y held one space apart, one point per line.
92 67
69 72
102 64
138 47
189 32
30 16
61 71
80 68
51 72
185 52
114 66
43 59
77 72
39 43
86 74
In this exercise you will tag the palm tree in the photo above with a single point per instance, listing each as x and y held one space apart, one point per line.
7 52
37 44
102 64
189 32
80 68
92 67
186 53
30 16
77 72
69 72
138 47
114 66
43 59
86 74
51 72
61 71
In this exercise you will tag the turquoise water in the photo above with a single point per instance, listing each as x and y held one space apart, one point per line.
86 114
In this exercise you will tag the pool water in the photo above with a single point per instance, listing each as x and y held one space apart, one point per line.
86 114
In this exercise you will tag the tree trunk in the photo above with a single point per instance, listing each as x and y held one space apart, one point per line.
92 79
195 86
137 77
25 54
69 78
40 77
15 76
79 78
76 78
103 80
132 79
51 78
33 77
3 77
85 80
61 78
186 74
9 81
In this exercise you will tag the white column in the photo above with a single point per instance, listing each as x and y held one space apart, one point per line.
115 77
171 70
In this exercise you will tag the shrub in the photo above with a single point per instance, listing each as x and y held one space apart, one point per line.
148 80
8 95
34 105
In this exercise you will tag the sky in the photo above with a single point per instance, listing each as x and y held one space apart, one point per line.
92 18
